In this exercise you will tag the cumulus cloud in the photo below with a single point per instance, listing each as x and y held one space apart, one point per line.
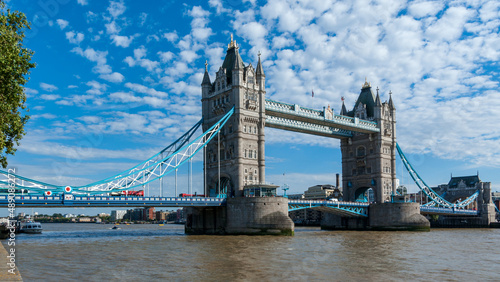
112 77
50 97
170 36
145 90
116 8
74 38
48 87
96 88
62 23
140 60
122 41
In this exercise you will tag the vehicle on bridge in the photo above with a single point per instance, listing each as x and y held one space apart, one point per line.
139 193
184 195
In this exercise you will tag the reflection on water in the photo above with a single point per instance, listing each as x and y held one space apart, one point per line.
94 252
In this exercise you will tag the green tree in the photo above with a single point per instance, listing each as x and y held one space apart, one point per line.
15 65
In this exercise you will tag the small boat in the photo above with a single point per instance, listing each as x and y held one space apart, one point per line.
115 227
30 227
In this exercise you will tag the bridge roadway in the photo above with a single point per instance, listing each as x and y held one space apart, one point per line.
110 201
353 209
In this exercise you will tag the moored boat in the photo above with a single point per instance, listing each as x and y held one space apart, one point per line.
30 227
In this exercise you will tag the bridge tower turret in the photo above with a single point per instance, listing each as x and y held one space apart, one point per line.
369 160
241 152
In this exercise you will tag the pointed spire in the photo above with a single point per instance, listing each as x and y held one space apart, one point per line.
377 100
238 62
391 104
260 70
343 111
206 77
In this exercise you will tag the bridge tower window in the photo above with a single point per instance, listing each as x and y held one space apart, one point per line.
361 151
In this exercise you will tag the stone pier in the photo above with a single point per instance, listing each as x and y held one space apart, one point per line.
386 216
242 216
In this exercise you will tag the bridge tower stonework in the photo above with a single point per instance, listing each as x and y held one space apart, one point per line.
369 160
235 159
240 152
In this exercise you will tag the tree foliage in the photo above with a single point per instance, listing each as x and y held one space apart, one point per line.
15 65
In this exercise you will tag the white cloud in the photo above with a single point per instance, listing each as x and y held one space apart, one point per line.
165 56
218 5
83 2
424 9
170 36
92 55
96 87
138 59
45 116
30 92
188 56
451 25
122 41
48 87
112 28
74 38
124 97
116 8
112 77
145 90
143 18
199 29
62 23
50 97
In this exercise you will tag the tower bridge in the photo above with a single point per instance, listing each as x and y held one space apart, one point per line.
235 113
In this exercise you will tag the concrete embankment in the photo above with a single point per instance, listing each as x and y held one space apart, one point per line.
8 268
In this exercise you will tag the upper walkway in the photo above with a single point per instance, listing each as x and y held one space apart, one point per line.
324 123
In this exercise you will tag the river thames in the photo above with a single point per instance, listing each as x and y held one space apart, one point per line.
95 252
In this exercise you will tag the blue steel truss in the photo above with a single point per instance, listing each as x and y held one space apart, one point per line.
69 200
296 118
351 209
431 194
162 163
447 211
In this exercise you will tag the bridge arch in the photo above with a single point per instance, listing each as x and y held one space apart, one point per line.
362 194
226 185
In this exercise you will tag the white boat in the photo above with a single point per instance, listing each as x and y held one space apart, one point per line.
30 227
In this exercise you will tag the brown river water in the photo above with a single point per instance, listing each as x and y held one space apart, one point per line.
95 252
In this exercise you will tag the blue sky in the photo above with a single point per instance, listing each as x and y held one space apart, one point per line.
116 81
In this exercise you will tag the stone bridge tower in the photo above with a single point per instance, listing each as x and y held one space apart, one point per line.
241 148
369 160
